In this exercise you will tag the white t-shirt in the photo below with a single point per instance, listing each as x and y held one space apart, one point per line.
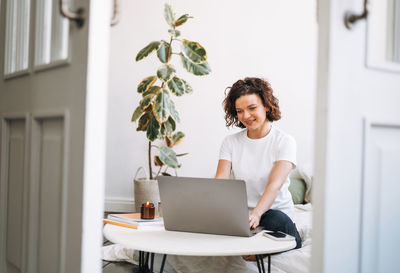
252 161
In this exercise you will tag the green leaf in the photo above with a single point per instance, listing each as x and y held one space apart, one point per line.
165 72
157 161
187 87
169 15
178 137
168 127
196 69
143 122
194 51
172 110
164 52
161 106
153 128
152 90
171 125
168 141
150 48
146 83
174 33
137 113
168 156
176 86
181 20
146 101
165 174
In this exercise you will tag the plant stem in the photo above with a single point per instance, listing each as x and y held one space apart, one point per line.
159 171
150 169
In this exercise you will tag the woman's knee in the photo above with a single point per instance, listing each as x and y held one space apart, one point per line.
275 220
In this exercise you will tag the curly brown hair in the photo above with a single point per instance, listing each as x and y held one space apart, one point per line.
245 87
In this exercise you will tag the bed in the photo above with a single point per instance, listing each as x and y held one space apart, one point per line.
296 261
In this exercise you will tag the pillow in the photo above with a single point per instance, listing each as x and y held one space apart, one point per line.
297 188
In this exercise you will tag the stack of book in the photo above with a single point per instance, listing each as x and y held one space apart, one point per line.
133 220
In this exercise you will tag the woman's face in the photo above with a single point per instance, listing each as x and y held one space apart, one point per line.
250 111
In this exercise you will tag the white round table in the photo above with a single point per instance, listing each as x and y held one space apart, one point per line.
194 244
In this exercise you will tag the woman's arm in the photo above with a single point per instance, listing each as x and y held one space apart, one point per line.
223 169
278 175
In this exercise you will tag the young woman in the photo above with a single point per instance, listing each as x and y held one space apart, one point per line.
261 155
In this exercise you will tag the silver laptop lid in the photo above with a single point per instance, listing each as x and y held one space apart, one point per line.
215 206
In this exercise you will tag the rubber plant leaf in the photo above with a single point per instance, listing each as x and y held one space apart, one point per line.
172 110
168 156
157 161
168 141
174 33
178 137
153 128
181 20
196 69
146 83
194 51
176 86
143 122
152 90
137 113
161 106
147 101
171 125
168 127
187 87
169 15
164 52
165 72
146 51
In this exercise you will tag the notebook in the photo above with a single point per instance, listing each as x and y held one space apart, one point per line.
214 206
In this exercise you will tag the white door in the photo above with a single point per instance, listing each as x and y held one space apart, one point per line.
52 113
357 183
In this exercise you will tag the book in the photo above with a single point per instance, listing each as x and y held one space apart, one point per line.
157 226
134 219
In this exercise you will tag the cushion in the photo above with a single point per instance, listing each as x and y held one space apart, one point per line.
297 188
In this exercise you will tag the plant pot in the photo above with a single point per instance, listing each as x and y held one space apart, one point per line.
145 190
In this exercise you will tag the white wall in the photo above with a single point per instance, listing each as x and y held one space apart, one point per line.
275 40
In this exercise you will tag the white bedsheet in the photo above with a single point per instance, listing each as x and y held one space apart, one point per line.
296 261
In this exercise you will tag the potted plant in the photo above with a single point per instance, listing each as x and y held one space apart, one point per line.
156 114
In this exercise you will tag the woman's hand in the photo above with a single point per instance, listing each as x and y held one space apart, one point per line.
254 218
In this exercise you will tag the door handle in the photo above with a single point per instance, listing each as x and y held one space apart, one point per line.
351 18
77 16
115 18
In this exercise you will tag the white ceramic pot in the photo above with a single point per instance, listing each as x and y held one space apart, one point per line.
145 189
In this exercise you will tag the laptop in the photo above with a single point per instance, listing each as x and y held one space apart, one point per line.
214 206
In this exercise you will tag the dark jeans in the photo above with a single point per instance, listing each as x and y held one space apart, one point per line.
276 220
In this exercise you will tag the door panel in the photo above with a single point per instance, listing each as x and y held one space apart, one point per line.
16 188
354 162
50 183
380 198
52 105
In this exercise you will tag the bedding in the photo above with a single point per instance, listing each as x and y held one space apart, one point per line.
296 261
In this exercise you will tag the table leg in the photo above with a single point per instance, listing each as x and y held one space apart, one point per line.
144 262
163 263
260 264
152 262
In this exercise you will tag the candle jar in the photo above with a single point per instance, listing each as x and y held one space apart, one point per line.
147 211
